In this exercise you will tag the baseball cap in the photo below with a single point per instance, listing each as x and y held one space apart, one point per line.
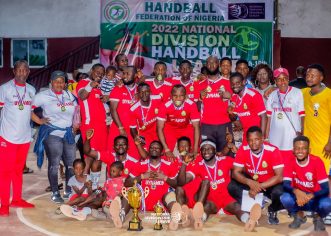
56 74
279 71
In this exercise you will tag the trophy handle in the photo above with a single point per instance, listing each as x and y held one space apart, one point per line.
125 193
146 192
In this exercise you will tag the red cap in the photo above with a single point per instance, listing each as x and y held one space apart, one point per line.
279 71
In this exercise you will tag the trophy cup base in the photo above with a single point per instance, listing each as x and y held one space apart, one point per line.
135 226
158 227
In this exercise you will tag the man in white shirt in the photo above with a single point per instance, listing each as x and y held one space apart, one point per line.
15 136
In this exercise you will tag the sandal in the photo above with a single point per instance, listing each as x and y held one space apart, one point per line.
48 189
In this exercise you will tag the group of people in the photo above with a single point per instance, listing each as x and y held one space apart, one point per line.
198 144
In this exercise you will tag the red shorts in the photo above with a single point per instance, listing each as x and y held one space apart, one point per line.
99 139
173 134
190 190
74 196
220 197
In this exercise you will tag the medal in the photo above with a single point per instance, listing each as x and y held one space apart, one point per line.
191 88
161 95
20 99
132 97
255 168
183 113
214 185
63 108
264 164
143 127
209 89
280 116
143 117
245 106
255 177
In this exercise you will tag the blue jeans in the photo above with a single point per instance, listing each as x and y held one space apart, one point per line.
321 206
56 149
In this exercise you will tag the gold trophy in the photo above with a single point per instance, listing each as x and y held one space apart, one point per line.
158 209
134 196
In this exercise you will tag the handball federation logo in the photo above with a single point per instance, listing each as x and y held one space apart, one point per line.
116 12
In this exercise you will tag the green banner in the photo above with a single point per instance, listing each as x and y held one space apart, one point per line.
169 38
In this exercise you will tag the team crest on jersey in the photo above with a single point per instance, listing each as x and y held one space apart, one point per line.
126 171
245 106
316 107
220 172
264 164
309 176
156 111
183 113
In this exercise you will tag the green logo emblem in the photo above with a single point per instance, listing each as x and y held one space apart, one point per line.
247 38
116 12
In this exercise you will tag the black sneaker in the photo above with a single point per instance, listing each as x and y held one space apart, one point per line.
297 222
318 224
272 218
56 197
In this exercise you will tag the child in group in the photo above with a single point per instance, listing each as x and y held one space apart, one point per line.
106 85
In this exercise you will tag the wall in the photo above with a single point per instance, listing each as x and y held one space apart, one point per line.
305 34
49 18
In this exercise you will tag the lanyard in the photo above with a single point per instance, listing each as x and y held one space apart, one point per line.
63 108
144 118
207 168
282 102
259 162
20 99
130 93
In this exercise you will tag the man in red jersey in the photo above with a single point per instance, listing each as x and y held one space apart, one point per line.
93 115
121 100
143 115
248 105
215 173
214 94
186 79
306 186
160 86
258 168
178 117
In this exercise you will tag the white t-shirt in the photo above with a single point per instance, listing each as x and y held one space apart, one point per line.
282 131
15 123
74 182
52 104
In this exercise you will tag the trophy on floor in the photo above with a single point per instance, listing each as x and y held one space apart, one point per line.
134 196
158 209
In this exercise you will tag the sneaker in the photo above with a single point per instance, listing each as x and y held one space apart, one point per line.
56 197
318 224
327 219
66 195
297 222
21 203
272 218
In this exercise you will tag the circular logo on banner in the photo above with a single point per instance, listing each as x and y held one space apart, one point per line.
116 12
247 38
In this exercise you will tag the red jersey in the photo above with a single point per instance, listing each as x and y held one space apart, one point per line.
249 107
163 90
144 118
126 98
263 164
307 177
219 175
191 87
214 108
92 109
179 117
157 188
108 158
113 187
